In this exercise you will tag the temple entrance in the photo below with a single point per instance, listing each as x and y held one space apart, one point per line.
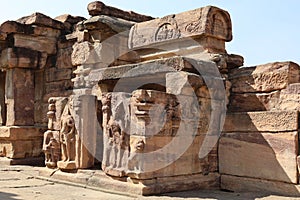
2 99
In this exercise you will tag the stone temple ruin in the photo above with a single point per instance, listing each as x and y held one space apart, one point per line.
134 104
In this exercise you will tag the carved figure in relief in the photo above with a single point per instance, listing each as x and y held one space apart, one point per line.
135 161
119 141
51 148
116 140
67 137
194 27
106 104
166 32
140 145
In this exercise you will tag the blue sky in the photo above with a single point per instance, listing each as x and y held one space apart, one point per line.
263 30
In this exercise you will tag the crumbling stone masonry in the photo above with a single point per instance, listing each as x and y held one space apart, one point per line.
134 104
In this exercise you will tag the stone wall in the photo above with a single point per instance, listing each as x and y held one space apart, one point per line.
35 60
259 146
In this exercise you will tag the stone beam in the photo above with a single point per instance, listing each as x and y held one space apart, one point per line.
99 8
16 27
207 21
41 20
19 57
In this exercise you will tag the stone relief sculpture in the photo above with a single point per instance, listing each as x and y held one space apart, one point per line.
67 138
51 148
51 142
116 138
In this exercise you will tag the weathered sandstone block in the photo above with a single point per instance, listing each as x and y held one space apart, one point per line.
107 24
99 8
260 155
63 59
246 184
183 83
20 142
290 98
54 74
37 43
208 21
56 88
69 21
28 29
19 57
97 54
269 121
285 99
20 97
156 69
264 78
171 162
247 102
41 20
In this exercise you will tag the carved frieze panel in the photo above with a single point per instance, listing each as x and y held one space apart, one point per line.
208 21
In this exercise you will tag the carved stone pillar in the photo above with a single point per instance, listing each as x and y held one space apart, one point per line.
151 128
86 126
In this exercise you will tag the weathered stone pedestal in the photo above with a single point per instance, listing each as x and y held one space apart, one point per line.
21 145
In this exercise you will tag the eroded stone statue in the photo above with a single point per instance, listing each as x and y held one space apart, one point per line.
67 138
51 148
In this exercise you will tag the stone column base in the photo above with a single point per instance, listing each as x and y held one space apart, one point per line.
97 179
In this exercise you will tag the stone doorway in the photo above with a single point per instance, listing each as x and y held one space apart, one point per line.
2 99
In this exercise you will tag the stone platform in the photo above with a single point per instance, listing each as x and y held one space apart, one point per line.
22 182
125 185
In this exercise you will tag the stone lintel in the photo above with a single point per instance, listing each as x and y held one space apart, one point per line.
207 21
37 43
107 24
154 67
28 29
99 8
41 20
19 57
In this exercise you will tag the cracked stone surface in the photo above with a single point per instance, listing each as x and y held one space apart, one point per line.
20 183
